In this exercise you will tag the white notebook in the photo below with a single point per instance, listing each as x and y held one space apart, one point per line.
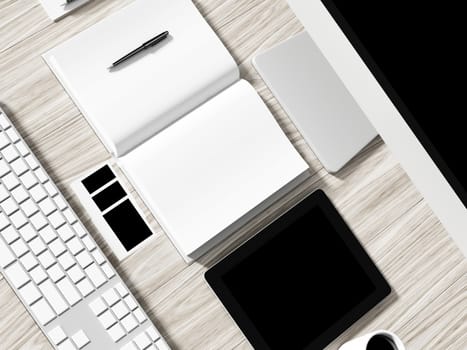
198 143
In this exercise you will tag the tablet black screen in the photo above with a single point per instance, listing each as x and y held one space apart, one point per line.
298 279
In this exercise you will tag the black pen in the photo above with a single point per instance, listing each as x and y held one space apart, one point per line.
150 43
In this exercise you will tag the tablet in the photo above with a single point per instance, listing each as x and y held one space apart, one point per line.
301 281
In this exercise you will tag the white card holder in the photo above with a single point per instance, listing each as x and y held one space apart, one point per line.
98 215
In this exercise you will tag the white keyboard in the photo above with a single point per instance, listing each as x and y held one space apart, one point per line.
54 265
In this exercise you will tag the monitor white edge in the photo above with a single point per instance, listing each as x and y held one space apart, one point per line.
385 117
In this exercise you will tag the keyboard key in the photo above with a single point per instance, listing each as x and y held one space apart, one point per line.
4 122
16 274
9 234
76 274
27 232
57 247
54 298
22 149
110 297
19 194
98 256
12 134
121 290
38 275
129 346
47 206
66 345
48 234
96 275
116 332
28 179
38 221
37 246
37 193
97 306
129 323
80 231
19 166
66 260
18 219
4 168
43 312
10 153
56 219
88 243
139 315
107 319
19 247
69 216
57 335
4 222
55 273
4 140
9 206
153 333
10 181
130 302
68 291
162 345
142 341
29 261
84 259
46 259
120 310
85 287
60 202
108 271
29 207
41 175
30 293
75 246
3 192
50 188
31 161
80 338
6 256
65 232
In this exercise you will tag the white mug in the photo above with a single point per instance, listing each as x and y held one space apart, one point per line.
361 343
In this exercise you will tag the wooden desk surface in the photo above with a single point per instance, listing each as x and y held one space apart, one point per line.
388 215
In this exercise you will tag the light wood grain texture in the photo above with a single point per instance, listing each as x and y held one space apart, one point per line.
374 195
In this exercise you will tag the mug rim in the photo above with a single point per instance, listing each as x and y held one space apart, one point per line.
361 341
397 341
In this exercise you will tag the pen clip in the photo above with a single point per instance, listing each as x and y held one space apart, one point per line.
156 40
